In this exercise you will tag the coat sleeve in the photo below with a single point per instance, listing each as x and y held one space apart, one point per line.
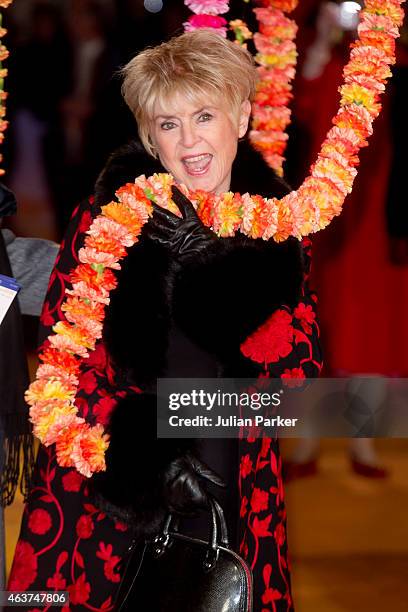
225 295
135 336
131 487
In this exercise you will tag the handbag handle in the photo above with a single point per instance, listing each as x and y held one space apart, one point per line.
217 537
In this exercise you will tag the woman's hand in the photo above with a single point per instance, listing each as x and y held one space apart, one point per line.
184 237
184 484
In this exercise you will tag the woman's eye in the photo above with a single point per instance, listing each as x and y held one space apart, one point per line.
205 117
167 125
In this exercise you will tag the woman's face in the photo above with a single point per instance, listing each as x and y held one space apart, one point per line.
197 142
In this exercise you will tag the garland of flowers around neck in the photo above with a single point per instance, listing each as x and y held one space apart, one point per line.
310 208
3 73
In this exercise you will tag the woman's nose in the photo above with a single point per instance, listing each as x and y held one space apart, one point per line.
189 136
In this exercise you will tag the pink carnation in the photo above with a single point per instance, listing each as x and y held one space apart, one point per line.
378 22
57 425
90 255
115 230
269 217
46 370
215 22
209 7
82 290
63 343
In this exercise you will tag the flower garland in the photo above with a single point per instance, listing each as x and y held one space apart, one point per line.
277 61
3 73
207 15
241 31
52 395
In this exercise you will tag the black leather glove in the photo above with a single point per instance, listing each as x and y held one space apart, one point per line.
8 204
184 484
184 237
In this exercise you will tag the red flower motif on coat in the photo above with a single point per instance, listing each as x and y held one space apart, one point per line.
244 504
57 582
98 358
39 521
24 567
305 315
72 481
261 527
280 534
293 377
270 595
85 221
79 591
246 466
266 443
103 409
84 526
120 526
88 382
109 569
272 340
259 500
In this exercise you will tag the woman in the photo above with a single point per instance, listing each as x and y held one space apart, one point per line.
187 304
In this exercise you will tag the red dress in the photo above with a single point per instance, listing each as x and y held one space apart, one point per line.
67 543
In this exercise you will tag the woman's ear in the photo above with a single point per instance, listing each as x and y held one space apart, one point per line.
244 117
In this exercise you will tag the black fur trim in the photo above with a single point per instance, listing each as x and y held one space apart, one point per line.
251 174
130 488
138 318
123 166
220 299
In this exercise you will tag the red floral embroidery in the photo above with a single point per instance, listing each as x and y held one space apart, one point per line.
85 221
293 377
84 526
88 382
72 481
57 582
244 504
39 521
120 526
98 358
109 569
261 527
79 591
266 443
306 316
103 409
270 595
259 500
280 534
24 567
246 466
272 340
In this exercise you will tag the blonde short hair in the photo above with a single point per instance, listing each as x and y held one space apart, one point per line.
196 65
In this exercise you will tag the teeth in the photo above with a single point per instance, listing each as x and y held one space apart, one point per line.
198 158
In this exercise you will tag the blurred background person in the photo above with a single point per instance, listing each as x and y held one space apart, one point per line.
38 69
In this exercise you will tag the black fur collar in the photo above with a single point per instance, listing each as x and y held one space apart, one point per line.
250 173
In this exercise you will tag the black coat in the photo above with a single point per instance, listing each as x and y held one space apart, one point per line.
213 304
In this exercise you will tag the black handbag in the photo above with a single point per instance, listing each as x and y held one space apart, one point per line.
178 573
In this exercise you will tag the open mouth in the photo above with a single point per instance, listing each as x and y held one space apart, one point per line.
198 164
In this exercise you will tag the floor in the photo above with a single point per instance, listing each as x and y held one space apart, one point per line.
348 535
